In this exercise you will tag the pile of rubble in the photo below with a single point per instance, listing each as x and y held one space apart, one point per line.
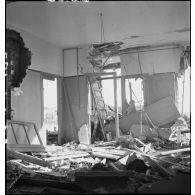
125 165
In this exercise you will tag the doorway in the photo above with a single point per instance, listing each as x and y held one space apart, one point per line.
50 116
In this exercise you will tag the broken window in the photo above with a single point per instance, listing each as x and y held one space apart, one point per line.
108 90
134 92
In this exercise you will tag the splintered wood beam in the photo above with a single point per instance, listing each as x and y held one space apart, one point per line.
175 151
68 156
144 145
105 155
26 147
109 151
28 158
19 165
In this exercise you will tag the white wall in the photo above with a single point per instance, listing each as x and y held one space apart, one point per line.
28 105
46 57
151 62
70 61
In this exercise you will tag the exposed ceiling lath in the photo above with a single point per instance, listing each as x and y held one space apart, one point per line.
98 52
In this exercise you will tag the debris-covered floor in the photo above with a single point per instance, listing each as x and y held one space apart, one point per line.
128 165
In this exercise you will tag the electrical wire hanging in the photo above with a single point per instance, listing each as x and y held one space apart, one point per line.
102 29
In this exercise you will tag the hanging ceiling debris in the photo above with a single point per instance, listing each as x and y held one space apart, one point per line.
98 52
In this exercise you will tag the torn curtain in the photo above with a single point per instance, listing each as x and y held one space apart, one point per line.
73 102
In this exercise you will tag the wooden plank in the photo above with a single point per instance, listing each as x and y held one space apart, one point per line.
27 158
21 166
103 144
109 151
144 145
68 156
105 155
26 147
175 151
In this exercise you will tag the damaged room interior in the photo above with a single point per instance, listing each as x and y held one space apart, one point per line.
98 97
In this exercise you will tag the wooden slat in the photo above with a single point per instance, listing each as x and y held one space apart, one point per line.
38 134
144 145
14 133
105 155
175 151
69 156
109 151
26 147
26 133
27 158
